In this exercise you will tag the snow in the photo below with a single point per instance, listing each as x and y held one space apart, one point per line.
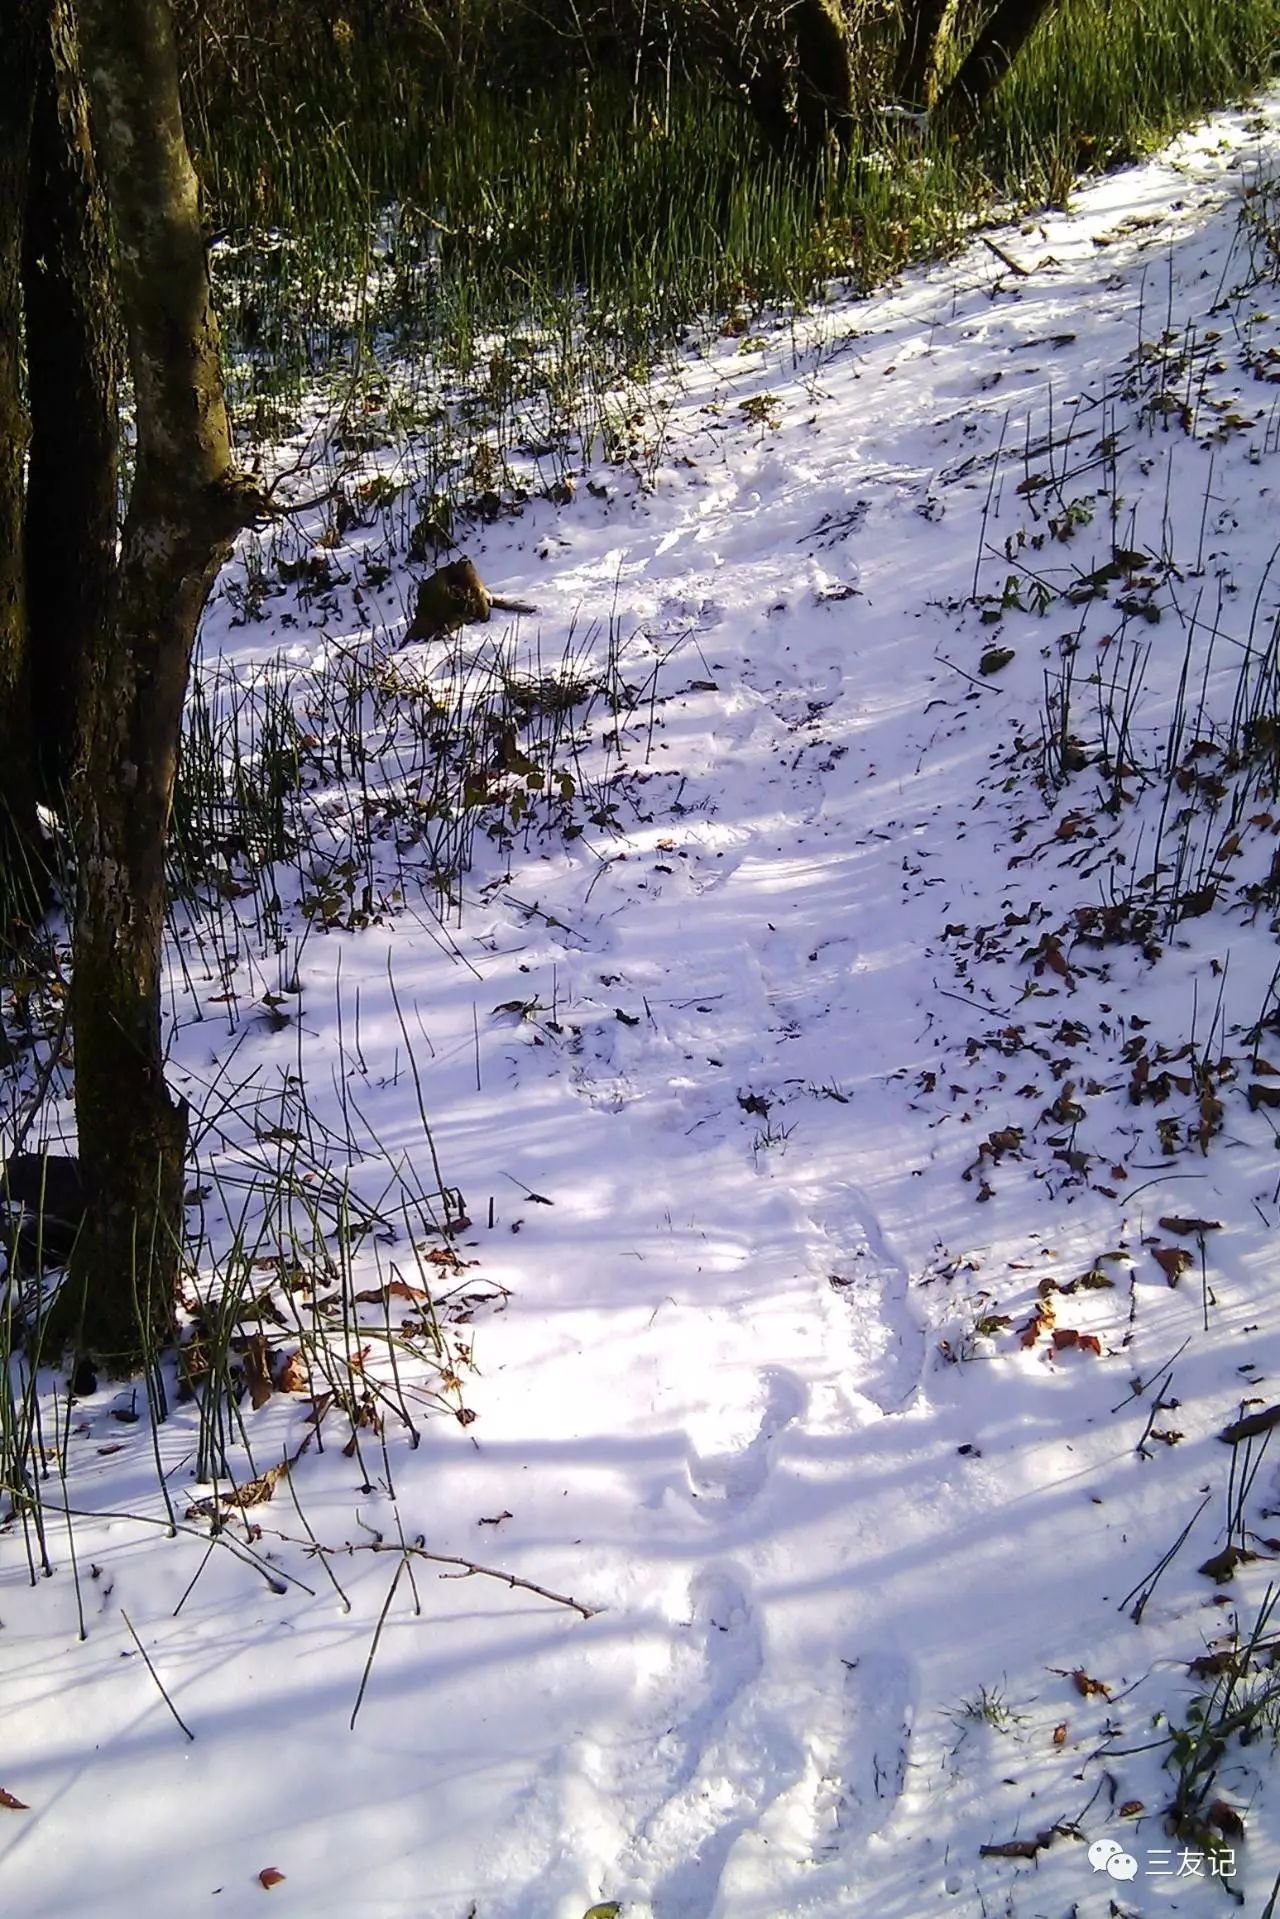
766 1393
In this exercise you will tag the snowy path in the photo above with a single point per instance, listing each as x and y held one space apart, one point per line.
719 1404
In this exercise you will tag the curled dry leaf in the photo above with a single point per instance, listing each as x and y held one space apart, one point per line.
1173 1261
294 1376
1040 1321
257 1368
1226 1819
1089 1688
1188 1228
1222 1566
270 1876
1065 1336
11 1804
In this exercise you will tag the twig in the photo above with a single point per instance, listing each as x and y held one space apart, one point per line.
1005 259
155 1675
275 1576
508 1579
469 1567
983 686
377 1634
1140 1385
1147 1585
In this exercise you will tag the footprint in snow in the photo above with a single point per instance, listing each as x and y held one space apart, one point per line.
861 1749
734 1478
732 1768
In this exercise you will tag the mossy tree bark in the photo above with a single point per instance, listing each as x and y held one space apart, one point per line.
18 895
185 506
801 91
989 59
72 507
924 31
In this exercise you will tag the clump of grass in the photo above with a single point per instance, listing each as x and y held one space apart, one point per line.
990 1707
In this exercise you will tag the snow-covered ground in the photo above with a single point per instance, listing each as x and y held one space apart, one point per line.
825 1069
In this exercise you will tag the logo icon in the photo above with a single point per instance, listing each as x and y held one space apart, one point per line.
1106 1855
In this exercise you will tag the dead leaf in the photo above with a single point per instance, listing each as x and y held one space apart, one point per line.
1173 1261
295 1376
1131 1808
1222 1566
1211 1665
1040 1321
1226 1819
1089 1688
257 1367
11 1804
1060 1734
1189 1228
270 1876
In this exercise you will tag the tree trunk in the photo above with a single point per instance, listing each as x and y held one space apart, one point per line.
801 89
18 834
824 74
990 58
185 507
924 25
71 506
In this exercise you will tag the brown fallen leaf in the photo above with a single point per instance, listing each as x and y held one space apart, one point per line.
1176 1223
1066 1336
394 1289
1173 1261
257 1368
1226 1819
1040 1321
254 1492
11 1804
1222 1566
270 1876
294 1376
1060 1734
1089 1688
1210 1665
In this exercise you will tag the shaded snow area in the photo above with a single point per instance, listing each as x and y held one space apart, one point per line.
853 1082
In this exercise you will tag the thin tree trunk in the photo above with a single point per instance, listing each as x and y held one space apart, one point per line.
17 789
990 58
923 33
71 505
185 506
824 74
801 90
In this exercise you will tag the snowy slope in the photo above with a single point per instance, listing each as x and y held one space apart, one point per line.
821 1074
